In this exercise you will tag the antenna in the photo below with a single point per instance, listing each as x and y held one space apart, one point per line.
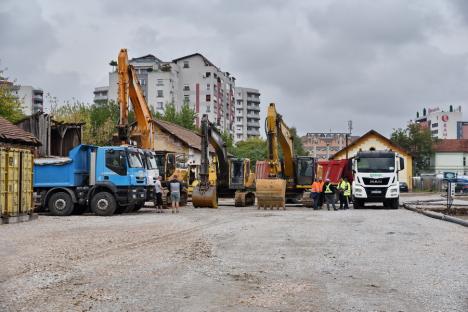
350 126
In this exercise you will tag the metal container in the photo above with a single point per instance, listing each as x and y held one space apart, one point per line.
16 190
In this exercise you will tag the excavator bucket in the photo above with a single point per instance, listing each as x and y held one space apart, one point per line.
204 197
271 193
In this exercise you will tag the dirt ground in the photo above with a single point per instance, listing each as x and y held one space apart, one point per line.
235 259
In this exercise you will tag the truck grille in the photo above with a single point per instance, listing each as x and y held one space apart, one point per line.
375 181
373 192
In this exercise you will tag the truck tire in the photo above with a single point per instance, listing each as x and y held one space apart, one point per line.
358 203
103 204
394 203
60 204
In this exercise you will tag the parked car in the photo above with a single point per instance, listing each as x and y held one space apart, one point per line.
461 186
403 187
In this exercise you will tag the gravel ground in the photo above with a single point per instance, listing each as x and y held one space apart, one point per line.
235 259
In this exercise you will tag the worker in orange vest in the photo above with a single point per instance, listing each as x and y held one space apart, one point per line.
321 196
316 190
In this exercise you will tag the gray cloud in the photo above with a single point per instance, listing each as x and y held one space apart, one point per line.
322 62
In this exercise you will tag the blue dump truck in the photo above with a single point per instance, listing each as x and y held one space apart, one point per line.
104 180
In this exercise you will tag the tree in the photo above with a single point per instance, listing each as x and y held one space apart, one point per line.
10 106
254 148
298 147
418 141
229 141
186 117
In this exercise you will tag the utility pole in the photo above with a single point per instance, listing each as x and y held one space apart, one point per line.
350 128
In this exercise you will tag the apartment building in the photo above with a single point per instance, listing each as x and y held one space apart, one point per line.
191 79
32 99
444 124
101 94
323 145
247 114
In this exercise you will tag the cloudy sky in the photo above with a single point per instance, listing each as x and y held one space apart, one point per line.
323 62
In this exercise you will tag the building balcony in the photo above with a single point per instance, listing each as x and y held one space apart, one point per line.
253 124
100 98
253 116
253 107
38 97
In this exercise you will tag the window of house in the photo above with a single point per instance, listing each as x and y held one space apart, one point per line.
160 105
186 98
160 93
207 74
142 82
186 64
160 82
239 118
208 87
208 97
434 125
208 108
186 87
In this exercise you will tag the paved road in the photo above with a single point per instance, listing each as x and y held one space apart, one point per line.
234 259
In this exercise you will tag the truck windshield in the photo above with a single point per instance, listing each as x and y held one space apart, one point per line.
376 164
134 160
151 162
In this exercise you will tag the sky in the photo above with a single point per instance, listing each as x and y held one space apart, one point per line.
322 62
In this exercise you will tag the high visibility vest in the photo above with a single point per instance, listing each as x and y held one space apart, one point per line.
321 186
328 189
346 187
316 187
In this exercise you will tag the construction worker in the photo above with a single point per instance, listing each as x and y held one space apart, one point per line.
329 191
340 190
158 202
321 195
316 189
345 192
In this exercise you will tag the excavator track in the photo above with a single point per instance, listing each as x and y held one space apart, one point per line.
244 198
271 194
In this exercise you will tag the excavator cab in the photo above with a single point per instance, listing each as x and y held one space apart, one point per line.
238 174
305 170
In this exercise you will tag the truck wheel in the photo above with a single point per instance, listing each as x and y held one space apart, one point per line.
394 203
103 204
357 204
60 204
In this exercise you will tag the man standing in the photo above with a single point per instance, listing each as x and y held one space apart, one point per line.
329 190
158 202
316 190
340 190
346 189
175 187
321 196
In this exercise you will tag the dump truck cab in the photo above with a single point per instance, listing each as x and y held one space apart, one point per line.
376 178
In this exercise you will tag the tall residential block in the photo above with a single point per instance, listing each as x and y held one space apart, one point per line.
247 114
191 79
443 124
32 99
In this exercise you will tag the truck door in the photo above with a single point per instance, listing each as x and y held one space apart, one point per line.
116 164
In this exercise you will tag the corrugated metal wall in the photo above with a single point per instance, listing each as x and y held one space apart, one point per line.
16 189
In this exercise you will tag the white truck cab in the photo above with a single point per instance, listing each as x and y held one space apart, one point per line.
376 178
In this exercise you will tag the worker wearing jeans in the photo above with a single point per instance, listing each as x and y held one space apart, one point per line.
316 190
175 188
329 191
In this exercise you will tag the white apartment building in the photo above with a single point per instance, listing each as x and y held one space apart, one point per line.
443 124
192 79
32 99
247 114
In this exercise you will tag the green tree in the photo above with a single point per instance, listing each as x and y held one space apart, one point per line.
227 138
254 148
419 142
170 113
186 117
298 147
10 106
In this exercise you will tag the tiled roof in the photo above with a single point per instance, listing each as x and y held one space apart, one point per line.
9 133
451 145
190 138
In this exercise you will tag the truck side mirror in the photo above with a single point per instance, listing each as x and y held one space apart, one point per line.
402 163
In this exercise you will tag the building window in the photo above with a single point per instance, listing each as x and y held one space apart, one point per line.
186 98
186 64
434 125
142 82
208 87
186 88
239 118
208 97
160 93
208 108
160 82
159 105
207 74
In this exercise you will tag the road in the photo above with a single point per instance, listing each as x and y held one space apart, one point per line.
235 259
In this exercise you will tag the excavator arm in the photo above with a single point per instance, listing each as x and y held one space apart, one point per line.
129 87
278 135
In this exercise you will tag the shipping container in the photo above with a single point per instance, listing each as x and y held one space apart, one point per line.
16 190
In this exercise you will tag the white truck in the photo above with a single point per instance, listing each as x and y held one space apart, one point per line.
376 178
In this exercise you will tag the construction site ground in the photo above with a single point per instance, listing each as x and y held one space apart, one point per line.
235 259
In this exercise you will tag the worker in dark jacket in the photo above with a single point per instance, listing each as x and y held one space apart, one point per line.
329 191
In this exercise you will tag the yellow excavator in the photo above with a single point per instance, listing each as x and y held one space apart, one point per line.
232 175
143 132
288 178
